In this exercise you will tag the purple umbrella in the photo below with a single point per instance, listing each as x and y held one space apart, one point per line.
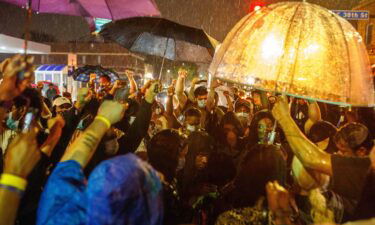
107 9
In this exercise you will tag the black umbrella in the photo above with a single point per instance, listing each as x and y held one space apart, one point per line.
161 37
83 73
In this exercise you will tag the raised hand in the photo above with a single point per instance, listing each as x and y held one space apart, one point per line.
112 110
22 154
281 108
152 91
11 68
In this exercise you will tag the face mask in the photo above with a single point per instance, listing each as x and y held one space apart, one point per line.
131 120
111 147
11 123
201 103
242 115
191 128
181 163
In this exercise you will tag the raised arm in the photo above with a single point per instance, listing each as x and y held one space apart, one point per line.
12 86
192 89
211 95
229 101
307 152
169 113
22 155
82 149
132 83
180 87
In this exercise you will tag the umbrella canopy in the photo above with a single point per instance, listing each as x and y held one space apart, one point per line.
83 73
108 9
161 37
300 49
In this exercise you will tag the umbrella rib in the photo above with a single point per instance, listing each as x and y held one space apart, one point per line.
297 54
285 44
348 54
109 9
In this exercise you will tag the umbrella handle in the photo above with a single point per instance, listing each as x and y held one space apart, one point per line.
162 63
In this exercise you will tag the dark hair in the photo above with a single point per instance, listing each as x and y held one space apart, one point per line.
242 103
163 151
356 135
106 77
231 118
201 90
199 142
253 137
322 130
30 97
262 164
67 95
192 112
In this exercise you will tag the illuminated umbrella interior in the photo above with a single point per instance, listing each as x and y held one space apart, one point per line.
300 49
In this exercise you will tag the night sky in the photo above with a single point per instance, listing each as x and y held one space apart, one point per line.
216 17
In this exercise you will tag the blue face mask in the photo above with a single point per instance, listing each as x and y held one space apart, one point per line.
11 123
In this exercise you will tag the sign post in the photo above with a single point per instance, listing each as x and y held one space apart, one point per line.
353 14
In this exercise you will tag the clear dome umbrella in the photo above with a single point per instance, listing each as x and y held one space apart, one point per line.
300 49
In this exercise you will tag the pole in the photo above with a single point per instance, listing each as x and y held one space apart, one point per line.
27 25
162 63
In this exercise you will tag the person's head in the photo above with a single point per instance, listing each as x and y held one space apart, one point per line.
61 105
231 129
40 85
256 98
124 190
243 111
199 147
29 99
201 94
104 81
158 108
262 164
353 139
163 152
261 126
51 86
192 119
322 134
67 95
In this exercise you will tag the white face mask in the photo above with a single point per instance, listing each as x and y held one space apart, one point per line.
131 120
202 103
242 115
191 128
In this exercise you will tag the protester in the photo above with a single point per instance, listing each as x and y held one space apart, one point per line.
179 161
350 176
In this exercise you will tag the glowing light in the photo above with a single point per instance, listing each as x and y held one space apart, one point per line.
3 47
272 48
168 71
256 8
149 76
250 80
312 48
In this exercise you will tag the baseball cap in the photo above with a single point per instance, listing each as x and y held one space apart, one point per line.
61 101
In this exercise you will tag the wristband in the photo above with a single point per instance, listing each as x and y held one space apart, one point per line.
12 189
104 120
13 181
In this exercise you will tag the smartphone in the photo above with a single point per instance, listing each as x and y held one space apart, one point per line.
29 119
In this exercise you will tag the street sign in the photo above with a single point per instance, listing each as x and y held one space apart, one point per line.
353 14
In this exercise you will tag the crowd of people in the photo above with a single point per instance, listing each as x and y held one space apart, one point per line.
116 155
